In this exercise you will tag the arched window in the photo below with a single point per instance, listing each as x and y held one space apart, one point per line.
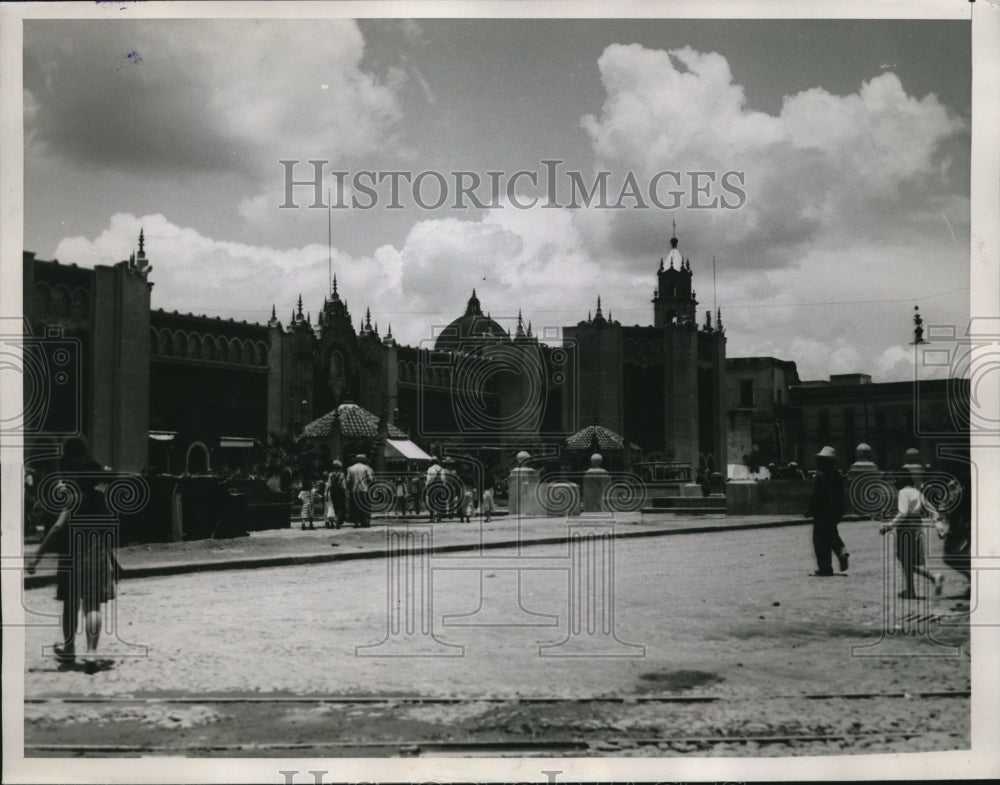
336 364
60 300
180 344
43 299
80 305
166 342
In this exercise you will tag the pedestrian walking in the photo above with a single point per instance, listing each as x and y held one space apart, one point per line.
908 525
826 508
336 490
433 500
487 508
87 565
359 481
956 531
453 488
400 497
416 490
468 504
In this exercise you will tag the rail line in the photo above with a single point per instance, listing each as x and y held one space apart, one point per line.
416 748
395 700
596 741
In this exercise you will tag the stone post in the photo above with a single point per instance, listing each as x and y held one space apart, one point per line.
595 482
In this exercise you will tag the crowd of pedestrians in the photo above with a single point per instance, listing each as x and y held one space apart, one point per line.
351 496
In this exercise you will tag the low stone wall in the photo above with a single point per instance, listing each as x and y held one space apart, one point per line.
768 497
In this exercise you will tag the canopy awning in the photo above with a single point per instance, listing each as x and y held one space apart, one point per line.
162 436
240 442
406 449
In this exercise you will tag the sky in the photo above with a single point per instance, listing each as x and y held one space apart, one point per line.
846 143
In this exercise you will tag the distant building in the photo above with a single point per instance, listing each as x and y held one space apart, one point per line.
760 422
181 392
661 387
891 417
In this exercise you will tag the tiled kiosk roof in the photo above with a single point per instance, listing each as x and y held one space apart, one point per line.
584 439
355 422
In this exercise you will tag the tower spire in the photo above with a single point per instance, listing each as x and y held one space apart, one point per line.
142 240
300 306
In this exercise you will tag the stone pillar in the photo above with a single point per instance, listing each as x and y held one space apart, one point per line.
914 466
523 488
859 471
595 483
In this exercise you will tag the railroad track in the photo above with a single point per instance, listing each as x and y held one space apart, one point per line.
416 748
418 699
600 742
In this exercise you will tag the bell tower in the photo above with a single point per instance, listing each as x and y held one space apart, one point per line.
673 299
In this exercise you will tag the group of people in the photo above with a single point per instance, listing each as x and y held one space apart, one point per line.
340 496
826 508
448 496
346 496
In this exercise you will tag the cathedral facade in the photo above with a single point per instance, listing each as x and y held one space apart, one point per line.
178 392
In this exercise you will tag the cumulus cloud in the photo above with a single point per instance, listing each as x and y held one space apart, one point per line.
823 165
199 274
215 95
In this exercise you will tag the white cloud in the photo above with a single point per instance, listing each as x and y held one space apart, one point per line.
823 166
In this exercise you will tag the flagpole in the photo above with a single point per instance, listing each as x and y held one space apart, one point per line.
329 242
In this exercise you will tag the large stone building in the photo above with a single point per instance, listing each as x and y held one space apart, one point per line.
180 392
774 417
931 416
662 387
762 426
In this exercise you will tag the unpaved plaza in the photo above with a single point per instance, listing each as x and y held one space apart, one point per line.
745 653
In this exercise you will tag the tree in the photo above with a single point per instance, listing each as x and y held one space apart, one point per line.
287 458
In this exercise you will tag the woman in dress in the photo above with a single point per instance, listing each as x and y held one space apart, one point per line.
87 567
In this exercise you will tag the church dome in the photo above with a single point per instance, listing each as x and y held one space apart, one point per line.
471 327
